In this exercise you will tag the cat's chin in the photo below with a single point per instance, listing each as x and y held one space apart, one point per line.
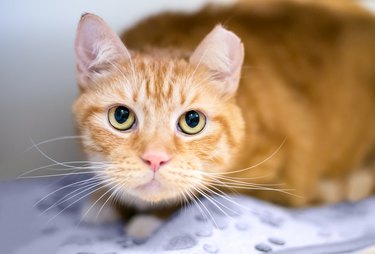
150 187
148 195
147 201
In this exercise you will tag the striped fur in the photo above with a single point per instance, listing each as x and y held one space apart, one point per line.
159 91
316 93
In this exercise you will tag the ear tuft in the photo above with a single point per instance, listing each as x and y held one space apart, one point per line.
96 48
222 52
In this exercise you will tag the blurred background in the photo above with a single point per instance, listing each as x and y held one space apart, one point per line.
37 72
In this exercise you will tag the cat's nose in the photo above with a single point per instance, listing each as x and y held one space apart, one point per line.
155 159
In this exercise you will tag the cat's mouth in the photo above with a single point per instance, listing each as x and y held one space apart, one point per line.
152 185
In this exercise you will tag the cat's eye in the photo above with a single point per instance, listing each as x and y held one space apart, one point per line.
121 118
192 122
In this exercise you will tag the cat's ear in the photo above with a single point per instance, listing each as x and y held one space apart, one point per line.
222 52
97 47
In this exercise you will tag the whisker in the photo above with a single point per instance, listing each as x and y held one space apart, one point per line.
55 175
261 188
233 177
230 183
88 210
209 197
245 184
64 187
225 196
52 140
113 194
253 166
197 199
198 205
48 157
84 196
233 181
184 201
70 195
215 203
55 164
249 186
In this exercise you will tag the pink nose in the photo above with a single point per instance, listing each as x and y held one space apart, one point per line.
155 159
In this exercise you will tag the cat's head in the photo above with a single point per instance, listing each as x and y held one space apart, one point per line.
162 124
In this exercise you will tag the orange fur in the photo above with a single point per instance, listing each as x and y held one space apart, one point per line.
308 78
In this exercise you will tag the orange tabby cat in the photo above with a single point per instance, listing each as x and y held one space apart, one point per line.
285 95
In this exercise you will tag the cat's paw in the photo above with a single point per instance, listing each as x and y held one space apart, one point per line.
369 250
142 226
330 191
92 213
360 185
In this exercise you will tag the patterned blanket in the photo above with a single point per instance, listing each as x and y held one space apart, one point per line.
237 224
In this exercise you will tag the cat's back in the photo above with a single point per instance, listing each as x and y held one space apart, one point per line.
298 41
283 23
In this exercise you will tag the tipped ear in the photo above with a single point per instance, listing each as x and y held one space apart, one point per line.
97 47
222 52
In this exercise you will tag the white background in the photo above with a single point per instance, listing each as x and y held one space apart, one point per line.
37 71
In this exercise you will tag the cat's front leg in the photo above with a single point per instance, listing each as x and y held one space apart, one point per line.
143 225
360 183
353 187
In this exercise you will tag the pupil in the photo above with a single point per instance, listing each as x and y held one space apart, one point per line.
121 114
192 119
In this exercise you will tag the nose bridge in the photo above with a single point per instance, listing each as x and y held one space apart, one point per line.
156 144
157 139
157 132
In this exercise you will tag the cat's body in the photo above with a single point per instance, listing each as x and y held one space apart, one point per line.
308 76
304 112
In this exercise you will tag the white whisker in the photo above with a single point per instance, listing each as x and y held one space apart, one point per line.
197 199
48 157
113 194
85 166
256 165
67 174
84 196
64 187
70 195
215 203
52 140
223 195
88 210
247 186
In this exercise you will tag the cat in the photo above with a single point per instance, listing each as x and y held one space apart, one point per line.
230 97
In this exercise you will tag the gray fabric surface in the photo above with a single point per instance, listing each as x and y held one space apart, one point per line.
249 226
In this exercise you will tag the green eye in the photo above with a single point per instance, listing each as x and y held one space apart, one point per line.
121 118
192 122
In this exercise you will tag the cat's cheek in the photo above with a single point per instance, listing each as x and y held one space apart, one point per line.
95 157
89 145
